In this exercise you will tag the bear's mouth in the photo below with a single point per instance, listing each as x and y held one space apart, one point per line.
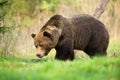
41 55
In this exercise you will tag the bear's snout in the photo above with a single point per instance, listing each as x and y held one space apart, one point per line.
39 55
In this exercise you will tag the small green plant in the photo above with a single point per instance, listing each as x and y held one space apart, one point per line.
50 5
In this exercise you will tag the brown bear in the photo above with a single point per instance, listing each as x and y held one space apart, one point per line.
80 32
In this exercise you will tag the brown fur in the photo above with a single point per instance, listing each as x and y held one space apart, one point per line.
81 32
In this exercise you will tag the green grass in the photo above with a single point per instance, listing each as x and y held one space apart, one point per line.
98 68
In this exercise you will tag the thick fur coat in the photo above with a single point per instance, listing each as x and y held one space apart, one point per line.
81 32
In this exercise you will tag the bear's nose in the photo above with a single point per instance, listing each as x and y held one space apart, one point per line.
39 55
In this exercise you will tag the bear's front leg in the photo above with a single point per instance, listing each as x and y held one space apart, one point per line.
64 55
64 52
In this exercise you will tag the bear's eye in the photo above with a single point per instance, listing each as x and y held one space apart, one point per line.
35 46
41 45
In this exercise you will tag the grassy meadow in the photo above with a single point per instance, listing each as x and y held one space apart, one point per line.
18 61
82 68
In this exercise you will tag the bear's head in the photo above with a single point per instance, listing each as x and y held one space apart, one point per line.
45 40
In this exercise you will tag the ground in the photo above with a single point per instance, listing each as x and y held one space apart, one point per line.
98 68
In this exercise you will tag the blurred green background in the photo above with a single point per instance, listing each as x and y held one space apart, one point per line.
20 18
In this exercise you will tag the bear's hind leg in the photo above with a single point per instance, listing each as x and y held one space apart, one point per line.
96 53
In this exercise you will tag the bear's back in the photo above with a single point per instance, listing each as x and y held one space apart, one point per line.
87 30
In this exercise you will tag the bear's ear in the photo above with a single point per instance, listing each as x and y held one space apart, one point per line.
33 35
47 34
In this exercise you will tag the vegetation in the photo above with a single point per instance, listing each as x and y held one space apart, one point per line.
20 18
98 68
